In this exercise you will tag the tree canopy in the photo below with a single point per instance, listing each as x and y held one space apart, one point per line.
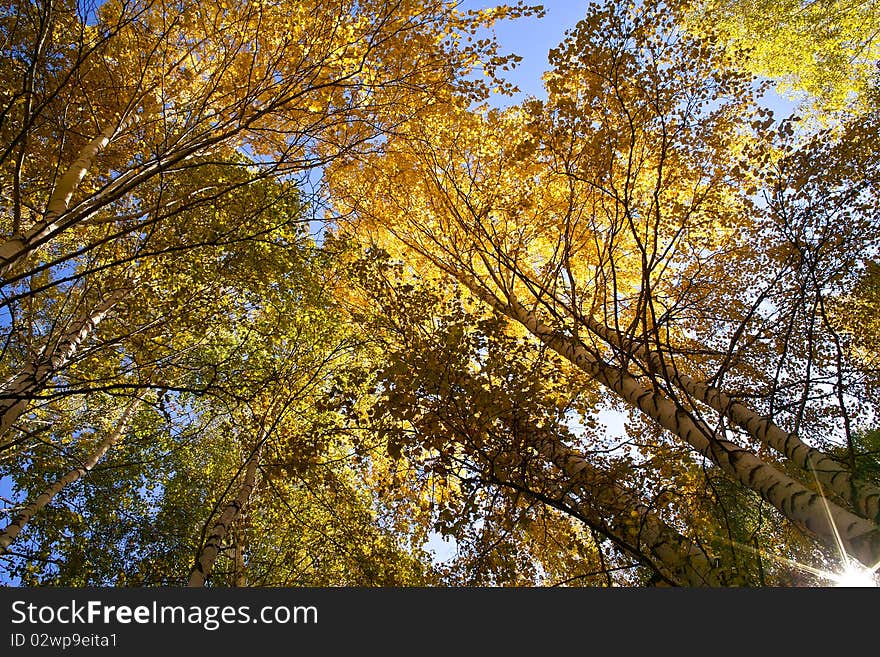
823 51
287 296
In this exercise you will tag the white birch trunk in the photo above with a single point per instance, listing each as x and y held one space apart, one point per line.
18 246
207 555
12 530
806 508
832 474
606 504
18 392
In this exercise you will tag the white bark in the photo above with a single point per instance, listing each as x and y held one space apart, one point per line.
18 392
832 474
20 245
606 504
806 508
207 555
11 531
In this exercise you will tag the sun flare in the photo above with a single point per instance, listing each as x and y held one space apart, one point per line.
854 576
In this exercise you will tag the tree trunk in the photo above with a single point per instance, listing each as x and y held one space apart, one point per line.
832 474
806 508
18 391
11 531
240 574
621 516
207 555
18 246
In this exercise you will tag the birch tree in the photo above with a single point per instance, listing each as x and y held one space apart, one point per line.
611 226
469 401
111 113
24 515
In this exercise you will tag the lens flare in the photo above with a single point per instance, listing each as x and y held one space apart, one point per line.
855 576
852 574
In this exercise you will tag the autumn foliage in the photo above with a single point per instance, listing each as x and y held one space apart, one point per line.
291 290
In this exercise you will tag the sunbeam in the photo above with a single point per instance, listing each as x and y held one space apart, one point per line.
851 574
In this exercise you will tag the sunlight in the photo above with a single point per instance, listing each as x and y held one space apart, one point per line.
856 576
852 575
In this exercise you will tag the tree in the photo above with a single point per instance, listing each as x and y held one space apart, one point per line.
167 108
825 49
858 314
467 401
610 225
12 530
231 452
196 389
156 152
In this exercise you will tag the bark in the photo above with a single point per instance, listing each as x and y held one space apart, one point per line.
806 508
240 574
18 391
19 245
625 519
11 531
832 474
207 555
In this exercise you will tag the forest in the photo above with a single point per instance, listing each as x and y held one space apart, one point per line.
289 298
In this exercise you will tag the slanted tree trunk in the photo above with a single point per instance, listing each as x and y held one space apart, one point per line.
207 555
806 508
240 574
21 244
834 475
18 392
12 530
618 514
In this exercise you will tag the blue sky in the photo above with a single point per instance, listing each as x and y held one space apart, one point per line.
533 38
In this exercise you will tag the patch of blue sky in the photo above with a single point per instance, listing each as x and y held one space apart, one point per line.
532 39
